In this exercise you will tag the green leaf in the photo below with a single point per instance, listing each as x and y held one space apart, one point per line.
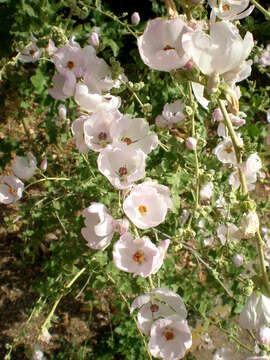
112 44
38 81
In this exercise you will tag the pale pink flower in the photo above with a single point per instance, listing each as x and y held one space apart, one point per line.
264 335
11 189
24 167
93 102
51 48
99 228
170 338
64 86
217 115
97 129
164 52
122 167
133 133
250 224
137 256
31 52
157 304
220 52
172 113
225 153
255 313
198 91
147 204
69 58
77 129
94 39
227 231
230 9
208 241
135 18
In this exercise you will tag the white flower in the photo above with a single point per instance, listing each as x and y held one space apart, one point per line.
99 228
220 52
250 224
223 354
225 153
122 167
11 189
265 58
191 143
206 191
170 338
198 91
98 76
77 129
24 167
31 52
133 133
172 113
64 86
97 129
208 241
228 231
137 256
230 9
255 313
135 18
159 303
147 204
264 335
93 102
163 52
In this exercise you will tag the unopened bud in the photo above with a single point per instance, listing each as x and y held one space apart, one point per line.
121 226
189 65
217 115
264 335
213 83
44 164
191 143
250 224
94 39
135 18
62 111
238 260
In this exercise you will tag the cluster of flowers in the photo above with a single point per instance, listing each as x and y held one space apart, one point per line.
11 188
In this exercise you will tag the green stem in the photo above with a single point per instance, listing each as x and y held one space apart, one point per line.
45 179
245 191
262 9
193 134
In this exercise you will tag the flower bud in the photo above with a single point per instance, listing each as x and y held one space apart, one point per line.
121 226
238 260
44 164
250 224
206 191
264 335
191 143
94 39
189 64
62 111
217 115
135 18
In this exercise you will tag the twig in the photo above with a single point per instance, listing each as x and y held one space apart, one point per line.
262 9
45 179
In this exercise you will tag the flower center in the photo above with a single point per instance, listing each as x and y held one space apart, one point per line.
169 335
142 209
228 149
127 140
11 190
226 7
70 65
32 52
168 47
102 136
154 308
138 256
122 171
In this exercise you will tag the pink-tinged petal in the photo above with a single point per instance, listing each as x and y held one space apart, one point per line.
5 196
77 129
162 248
198 91
163 52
